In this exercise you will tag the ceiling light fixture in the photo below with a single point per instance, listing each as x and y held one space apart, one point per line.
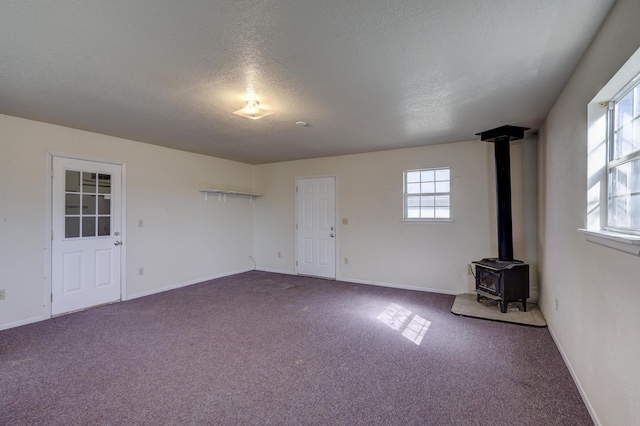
252 111
302 124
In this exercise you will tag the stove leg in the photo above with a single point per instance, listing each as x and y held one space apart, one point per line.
524 305
503 306
478 297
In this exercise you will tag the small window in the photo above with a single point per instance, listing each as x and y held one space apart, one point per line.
427 194
623 164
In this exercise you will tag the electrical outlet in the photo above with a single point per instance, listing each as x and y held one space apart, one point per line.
469 269
2 294
140 223
279 254
346 260
556 304
140 271
345 220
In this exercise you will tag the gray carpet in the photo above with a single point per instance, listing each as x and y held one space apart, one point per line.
269 349
468 305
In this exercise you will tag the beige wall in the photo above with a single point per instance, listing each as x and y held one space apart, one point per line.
379 247
184 239
597 289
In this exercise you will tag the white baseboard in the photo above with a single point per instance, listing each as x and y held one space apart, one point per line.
184 284
22 322
134 296
400 286
376 283
583 394
276 271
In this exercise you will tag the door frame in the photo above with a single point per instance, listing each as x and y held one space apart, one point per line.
295 220
48 228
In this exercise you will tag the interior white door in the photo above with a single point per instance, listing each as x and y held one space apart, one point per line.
316 233
86 240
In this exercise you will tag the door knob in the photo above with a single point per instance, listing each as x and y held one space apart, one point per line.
331 235
117 243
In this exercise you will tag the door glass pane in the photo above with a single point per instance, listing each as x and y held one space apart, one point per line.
104 205
104 184
72 181
71 227
88 204
89 226
89 182
72 204
104 226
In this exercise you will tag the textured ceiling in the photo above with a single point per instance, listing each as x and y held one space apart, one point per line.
367 75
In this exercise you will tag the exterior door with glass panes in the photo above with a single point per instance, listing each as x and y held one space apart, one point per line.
86 240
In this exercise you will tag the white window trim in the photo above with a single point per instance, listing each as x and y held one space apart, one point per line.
615 240
596 230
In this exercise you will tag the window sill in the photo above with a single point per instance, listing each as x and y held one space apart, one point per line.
615 240
419 221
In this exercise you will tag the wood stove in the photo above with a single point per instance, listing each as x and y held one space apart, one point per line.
503 279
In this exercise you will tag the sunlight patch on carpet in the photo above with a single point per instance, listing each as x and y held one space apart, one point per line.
412 327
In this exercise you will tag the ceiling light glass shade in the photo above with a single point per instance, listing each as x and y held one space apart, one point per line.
252 111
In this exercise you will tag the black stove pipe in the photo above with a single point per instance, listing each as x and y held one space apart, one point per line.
501 136
503 197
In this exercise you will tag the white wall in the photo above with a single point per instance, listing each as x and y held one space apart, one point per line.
379 247
597 289
184 239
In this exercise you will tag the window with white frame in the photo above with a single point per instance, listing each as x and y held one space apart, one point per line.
623 162
427 194
613 162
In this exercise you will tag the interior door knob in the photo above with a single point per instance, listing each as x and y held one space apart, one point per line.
331 235
117 243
